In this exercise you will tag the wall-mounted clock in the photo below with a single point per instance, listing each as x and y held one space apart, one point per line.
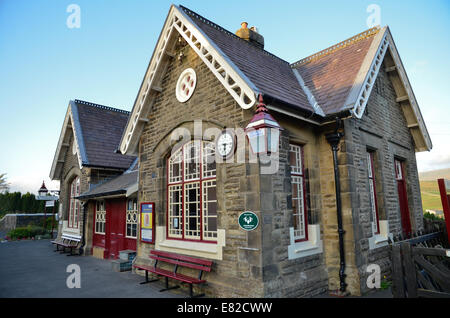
226 144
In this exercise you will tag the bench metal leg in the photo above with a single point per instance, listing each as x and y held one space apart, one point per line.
167 285
191 293
148 281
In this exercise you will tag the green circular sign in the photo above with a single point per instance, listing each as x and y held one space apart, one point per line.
248 221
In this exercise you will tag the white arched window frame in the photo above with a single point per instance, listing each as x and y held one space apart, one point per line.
74 204
132 219
298 192
191 191
100 217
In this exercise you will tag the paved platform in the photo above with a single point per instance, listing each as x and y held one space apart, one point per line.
32 269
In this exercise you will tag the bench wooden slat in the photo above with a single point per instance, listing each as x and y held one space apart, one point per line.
177 260
177 276
184 264
182 258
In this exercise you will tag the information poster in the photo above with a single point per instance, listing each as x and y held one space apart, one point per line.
147 222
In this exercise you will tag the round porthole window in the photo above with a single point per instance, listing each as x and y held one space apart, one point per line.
186 85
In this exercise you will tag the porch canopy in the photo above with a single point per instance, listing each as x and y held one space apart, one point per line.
123 185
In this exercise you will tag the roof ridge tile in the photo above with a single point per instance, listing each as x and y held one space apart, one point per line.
358 37
220 28
78 101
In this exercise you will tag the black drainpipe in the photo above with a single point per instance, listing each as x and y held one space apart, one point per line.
334 139
83 238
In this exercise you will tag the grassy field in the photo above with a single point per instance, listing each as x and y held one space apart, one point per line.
430 195
429 189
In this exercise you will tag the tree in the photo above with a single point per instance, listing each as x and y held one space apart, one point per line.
4 186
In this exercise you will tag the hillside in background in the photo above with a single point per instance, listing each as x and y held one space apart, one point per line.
433 175
429 189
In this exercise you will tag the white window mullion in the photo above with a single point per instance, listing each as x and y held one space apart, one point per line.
209 202
192 210
298 199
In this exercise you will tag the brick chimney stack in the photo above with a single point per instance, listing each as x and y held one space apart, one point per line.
251 35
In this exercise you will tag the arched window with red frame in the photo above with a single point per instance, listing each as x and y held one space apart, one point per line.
74 204
191 191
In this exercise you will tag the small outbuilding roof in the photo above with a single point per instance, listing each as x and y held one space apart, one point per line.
97 130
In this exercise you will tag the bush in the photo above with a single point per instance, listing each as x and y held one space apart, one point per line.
431 216
25 232
48 223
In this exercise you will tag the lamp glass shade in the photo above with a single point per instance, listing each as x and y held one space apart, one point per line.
42 192
257 139
273 139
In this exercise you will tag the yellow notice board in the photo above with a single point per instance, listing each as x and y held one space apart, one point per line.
147 222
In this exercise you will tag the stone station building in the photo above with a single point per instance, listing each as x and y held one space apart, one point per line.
342 181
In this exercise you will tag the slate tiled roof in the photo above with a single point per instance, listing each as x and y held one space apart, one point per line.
330 74
118 185
271 75
100 130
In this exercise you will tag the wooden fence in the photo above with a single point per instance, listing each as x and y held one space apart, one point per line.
420 267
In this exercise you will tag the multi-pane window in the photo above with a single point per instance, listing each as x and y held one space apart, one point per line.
192 202
298 192
74 204
100 217
132 218
372 193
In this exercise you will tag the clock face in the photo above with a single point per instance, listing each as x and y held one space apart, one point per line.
225 144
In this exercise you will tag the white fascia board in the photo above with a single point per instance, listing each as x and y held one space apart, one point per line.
312 100
365 79
209 53
59 146
78 135
134 127
68 119
292 114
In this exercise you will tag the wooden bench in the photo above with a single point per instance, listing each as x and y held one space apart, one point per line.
67 241
178 261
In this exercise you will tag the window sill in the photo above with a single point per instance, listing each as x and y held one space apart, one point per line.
306 248
70 230
381 239
197 249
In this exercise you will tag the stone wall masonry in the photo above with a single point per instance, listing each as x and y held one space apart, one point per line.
383 129
70 170
329 215
284 277
239 272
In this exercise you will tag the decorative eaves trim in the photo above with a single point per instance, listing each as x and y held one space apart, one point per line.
362 87
365 80
69 122
236 83
78 135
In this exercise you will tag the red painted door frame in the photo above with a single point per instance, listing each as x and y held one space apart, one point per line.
445 199
115 229
403 197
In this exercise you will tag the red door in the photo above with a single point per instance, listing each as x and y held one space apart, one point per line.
403 197
115 227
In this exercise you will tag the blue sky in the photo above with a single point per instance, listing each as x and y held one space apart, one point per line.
44 64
